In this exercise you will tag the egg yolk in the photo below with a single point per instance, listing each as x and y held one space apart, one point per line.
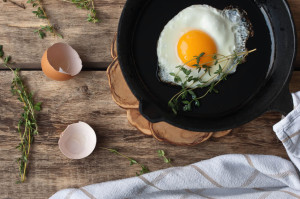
193 43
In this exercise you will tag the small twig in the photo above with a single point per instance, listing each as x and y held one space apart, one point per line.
187 95
20 5
144 169
161 153
41 14
87 5
27 125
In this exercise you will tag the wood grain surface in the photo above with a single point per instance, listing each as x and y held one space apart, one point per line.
87 98
92 41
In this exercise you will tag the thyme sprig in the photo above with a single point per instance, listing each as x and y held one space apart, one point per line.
186 98
161 153
87 5
27 125
144 169
41 14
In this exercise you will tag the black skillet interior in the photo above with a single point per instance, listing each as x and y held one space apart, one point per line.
238 89
140 65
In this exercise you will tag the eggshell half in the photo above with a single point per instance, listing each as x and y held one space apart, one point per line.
77 141
61 62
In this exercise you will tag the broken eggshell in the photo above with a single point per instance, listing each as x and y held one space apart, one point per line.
61 62
77 141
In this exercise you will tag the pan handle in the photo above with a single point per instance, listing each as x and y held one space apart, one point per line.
284 102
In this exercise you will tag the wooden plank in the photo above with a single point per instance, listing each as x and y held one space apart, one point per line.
92 41
87 98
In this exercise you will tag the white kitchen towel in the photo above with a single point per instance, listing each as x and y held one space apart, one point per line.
227 176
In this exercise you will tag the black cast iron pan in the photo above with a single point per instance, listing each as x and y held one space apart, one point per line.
259 85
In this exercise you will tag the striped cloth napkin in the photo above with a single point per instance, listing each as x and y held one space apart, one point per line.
227 176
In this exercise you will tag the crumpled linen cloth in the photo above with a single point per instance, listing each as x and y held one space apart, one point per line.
227 176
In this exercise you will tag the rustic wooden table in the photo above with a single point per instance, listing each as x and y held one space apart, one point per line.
87 98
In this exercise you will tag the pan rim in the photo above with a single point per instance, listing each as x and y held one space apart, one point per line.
142 99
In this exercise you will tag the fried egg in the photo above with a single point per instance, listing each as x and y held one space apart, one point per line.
201 29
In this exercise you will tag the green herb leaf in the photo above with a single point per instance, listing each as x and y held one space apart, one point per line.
187 107
207 69
215 90
197 103
41 14
41 34
201 54
199 69
185 102
211 88
199 57
37 106
87 5
186 71
182 98
184 94
132 162
166 160
113 151
177 79
174 111
171 104
161 153
193 94
191 78
219 71
27 124
224 77
7 59
144 169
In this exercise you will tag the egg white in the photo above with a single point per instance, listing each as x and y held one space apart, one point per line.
227 28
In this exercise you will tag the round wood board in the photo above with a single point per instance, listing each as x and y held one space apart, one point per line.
161 131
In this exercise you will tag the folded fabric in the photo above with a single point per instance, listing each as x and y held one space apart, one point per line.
288 131
227 176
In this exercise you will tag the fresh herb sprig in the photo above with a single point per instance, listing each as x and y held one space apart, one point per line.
161 153
144 169
87 5
187 98
41 14
27 125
